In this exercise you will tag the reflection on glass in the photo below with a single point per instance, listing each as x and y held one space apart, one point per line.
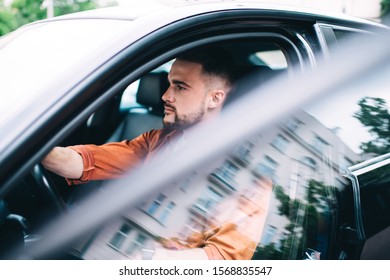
274 197
257 202
234 229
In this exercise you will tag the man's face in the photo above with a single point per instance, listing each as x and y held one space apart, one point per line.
185 101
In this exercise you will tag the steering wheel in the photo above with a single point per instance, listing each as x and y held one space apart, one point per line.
19 222
47 188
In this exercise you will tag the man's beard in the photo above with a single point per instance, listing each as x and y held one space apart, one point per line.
185 121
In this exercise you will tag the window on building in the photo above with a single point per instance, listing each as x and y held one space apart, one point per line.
209 200
309 162
280 142
166 211
184 185
268 235
267 167
344 163
319 144
120 236
244 150
136 244
228 171
292 124
153 208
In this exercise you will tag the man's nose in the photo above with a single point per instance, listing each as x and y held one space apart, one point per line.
168 96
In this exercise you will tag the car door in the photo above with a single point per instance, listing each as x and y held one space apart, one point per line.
370 181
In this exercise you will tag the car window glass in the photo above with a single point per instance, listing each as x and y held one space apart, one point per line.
342 34
275 59
274 196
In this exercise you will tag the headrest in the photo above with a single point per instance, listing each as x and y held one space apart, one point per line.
253 70
150 90
248 76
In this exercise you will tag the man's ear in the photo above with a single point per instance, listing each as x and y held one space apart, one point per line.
216 98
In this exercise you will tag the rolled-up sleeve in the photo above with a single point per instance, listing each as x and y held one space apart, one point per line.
111 160
88 163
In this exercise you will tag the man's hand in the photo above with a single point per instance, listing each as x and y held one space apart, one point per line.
65 162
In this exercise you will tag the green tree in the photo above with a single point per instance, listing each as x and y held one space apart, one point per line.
62 7
385 11
7 20
385 7
25 11
308 219
32 10
374 114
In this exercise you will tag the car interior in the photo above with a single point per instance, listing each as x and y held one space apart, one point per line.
140 108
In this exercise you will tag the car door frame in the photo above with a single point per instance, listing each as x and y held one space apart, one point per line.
353 173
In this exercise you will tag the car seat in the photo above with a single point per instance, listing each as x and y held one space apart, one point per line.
249 76
138 120
144 117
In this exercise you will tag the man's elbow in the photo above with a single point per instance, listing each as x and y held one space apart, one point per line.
64 162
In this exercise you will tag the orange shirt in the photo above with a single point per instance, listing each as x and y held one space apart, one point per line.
111 160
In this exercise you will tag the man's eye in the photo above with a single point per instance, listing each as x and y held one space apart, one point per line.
178 87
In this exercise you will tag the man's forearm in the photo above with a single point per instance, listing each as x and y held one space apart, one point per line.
65 162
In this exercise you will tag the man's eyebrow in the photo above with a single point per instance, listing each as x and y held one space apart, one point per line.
181 83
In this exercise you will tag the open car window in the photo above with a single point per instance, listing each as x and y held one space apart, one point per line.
275 195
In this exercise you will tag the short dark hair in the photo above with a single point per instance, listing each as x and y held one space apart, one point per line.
214 60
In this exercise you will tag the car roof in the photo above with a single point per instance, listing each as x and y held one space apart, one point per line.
137 10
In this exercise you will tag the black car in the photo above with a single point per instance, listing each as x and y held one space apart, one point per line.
288 144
